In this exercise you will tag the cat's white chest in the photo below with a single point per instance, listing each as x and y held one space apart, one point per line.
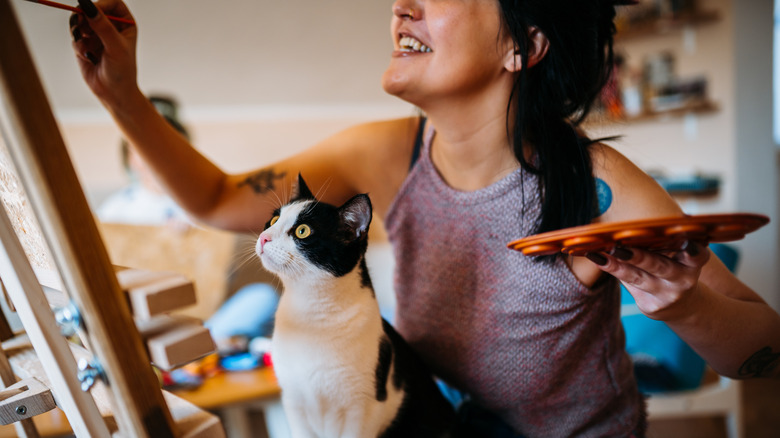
326 366
340 344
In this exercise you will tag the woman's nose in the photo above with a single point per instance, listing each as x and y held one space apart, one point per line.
407 9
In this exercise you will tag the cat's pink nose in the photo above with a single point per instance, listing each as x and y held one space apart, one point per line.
263 239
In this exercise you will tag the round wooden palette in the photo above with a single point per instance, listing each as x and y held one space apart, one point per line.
665 234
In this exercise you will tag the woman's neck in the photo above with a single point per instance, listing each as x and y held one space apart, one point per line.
472 151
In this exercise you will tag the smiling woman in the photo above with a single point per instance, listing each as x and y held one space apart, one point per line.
534 346
462 48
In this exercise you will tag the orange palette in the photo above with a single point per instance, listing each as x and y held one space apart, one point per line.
664 234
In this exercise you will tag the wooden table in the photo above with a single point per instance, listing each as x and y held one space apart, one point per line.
233 395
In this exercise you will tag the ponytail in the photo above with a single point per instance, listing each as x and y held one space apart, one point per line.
551 99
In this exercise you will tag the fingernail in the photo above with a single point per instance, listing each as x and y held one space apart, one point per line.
74 19
691 248
92 58
89 8
622 253
76 34
596 258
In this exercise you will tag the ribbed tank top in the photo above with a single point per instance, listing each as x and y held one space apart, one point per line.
525 339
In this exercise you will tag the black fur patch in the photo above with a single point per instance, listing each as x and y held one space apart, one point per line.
424 413
331 246
383 367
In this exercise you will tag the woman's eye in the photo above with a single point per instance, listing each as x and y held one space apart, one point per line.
303 231
273 221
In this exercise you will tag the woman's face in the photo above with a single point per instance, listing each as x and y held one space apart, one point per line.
445 48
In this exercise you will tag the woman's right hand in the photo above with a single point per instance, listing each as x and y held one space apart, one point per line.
105 50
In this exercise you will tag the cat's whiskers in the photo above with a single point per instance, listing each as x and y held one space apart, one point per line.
297 266
323 188
288 184
279 201
274 204
313 204
248 255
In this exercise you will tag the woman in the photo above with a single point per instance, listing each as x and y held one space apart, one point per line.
536 346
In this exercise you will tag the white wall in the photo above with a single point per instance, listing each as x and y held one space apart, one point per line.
757 154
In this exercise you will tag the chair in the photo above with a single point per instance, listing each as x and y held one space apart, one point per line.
723 397
671 372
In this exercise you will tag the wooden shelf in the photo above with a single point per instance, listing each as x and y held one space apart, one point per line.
702 107
664 25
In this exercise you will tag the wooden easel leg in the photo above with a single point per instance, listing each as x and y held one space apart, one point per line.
65 218
51 347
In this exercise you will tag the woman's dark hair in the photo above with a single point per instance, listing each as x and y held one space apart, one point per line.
550 99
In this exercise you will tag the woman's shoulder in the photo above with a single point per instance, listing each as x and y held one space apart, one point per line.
374 156
625 190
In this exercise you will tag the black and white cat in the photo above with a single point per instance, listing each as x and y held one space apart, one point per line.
343 370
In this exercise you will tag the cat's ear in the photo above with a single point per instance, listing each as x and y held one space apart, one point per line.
356 214
301 190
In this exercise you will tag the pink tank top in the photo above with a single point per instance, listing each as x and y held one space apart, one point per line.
524 339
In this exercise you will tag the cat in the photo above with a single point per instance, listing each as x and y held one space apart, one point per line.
343 370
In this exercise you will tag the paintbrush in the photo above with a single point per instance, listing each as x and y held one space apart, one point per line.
78 10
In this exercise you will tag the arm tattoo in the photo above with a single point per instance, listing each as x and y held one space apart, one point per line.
760 364
262 181
603 197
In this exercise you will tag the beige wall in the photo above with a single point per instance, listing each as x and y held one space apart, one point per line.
261 80
239 53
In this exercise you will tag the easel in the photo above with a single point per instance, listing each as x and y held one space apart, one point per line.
137 404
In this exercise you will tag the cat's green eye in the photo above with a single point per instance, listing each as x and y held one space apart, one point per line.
273 221
303 231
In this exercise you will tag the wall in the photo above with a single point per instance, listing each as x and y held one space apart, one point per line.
757 157
695 143
233 54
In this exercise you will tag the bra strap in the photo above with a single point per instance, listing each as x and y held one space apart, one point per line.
418 142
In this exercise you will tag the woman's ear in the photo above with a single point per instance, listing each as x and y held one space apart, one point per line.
536 51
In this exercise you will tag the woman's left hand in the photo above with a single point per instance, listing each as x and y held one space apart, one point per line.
661 284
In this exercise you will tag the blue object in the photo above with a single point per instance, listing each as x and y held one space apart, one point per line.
240 362
700 184
663 361
249 312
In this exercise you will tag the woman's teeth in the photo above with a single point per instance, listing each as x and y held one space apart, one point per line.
409 44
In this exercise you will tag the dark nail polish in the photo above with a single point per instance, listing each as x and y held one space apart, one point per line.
691 248
622 253
92 58
74 19
89 8
76 34
596 258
